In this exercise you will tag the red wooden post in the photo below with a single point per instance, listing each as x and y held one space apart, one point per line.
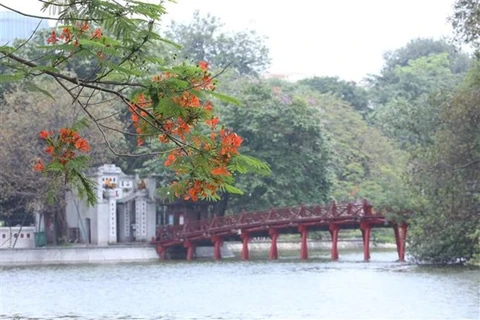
366 228
397 239
245 239
403 238
334 229
273 233
191 246
303 248
161 251
217 245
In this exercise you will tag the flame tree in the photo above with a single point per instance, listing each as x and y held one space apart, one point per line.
172 104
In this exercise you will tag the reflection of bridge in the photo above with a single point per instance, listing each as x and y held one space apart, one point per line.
271 223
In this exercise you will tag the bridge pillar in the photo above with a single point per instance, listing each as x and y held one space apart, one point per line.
403 239
273 233
397 238
334 229
400 239
217 245
304 247
245 236
366 229
161 251
191 246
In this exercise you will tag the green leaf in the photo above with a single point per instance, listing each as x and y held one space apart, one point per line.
225 98
33 87
11 77
231 189
92 43
122 69
7 49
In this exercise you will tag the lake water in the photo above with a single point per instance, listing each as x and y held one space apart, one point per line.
230 289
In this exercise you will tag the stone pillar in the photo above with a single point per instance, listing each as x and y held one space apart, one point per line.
110 195
127 221
141 216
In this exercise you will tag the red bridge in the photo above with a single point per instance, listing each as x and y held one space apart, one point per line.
271 223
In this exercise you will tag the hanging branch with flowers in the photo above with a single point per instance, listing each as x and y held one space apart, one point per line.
170 103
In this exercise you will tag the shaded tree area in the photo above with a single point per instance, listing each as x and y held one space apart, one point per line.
446 176
22 190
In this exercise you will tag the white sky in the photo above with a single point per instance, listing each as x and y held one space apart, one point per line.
344 38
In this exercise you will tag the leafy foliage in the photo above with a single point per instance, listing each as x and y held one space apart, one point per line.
282 129
204 40
447 175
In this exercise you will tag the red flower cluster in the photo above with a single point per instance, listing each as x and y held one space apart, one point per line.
62 147
73 34
230 142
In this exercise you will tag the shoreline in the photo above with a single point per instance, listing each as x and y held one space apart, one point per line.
82 254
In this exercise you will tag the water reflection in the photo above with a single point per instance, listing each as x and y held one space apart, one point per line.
230 289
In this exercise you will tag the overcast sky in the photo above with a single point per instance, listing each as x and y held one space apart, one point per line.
344 38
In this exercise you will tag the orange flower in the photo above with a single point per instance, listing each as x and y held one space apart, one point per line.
39 167
44 134
230 143
163 138
220 171
212 122
53 38
208 106
203 65
97 34
82 145
65 133
66 35
49 150
83 27
170 160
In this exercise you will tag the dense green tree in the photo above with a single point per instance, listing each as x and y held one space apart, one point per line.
204 40
446 174
423 100
422 47
365 164
280 127
403 110
350 92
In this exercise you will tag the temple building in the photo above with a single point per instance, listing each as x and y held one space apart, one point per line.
125 212
128 210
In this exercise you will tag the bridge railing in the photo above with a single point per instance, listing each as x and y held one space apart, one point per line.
251 220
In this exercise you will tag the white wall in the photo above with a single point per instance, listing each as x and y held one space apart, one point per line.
74 255
25 237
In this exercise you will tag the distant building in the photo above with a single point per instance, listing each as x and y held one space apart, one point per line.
15 26
127 210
